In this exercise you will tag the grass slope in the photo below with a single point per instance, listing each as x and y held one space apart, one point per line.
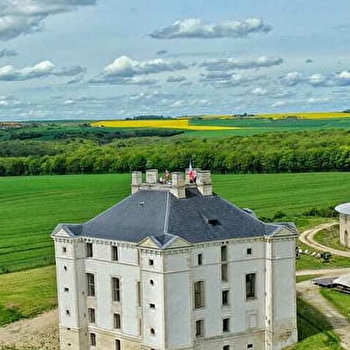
27 293
30 207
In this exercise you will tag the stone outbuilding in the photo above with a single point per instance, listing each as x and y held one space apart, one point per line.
344 223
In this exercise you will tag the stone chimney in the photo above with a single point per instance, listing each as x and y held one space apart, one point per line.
151 176
136 181
178 188
204 183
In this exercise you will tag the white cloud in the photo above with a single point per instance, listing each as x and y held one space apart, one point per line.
8 53
292 79
42 69
317 80
222 79
278 104
258 91
224 64
176 79
195 28
25 16
124 70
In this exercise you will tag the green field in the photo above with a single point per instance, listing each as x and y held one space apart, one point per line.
253 126
27 293
30 207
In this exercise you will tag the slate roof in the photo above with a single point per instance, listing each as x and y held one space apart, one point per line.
161 215
343 208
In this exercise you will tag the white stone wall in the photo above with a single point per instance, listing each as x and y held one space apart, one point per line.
344 229
167 279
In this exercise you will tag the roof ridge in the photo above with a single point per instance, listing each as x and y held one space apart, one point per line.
167 211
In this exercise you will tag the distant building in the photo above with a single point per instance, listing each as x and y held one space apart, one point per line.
344 223
174 266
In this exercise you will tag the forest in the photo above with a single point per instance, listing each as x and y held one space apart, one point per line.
279 152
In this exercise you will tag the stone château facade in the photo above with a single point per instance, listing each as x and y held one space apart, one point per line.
174 266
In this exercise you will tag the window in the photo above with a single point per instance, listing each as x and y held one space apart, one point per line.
199 328
225 297
224 253
116 321
64 250
250 281
92 339
114 253
200 259
66 289
150 262
151 282
65 268
91 313
199 294
67 312
226 347
250 346
153 331
152 306
249 251
224 275
88 250
226 325
117 344
90 284
115 289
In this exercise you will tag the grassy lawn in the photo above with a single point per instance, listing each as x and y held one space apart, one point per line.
306 278
330 237
30 207
306 262
314 332
27 293
340 300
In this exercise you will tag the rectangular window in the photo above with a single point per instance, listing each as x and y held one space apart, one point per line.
88 247
226 325
200 259
115 253
224 274
250 285
199 328
115 289
116 321
91 313
225 297
92 339
90 284
249 251
117 344
226 347
150 262
224 253
199 294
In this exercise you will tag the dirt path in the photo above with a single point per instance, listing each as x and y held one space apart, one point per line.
310 293
307 237
39 333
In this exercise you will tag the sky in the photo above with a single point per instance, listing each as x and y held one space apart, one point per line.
112 59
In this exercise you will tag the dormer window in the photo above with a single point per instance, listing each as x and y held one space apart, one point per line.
214 222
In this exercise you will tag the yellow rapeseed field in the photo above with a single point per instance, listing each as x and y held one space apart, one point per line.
306 115
166 123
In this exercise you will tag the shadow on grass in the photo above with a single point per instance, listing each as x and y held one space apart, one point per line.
310 320
9 315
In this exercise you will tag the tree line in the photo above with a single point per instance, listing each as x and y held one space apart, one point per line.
305 151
